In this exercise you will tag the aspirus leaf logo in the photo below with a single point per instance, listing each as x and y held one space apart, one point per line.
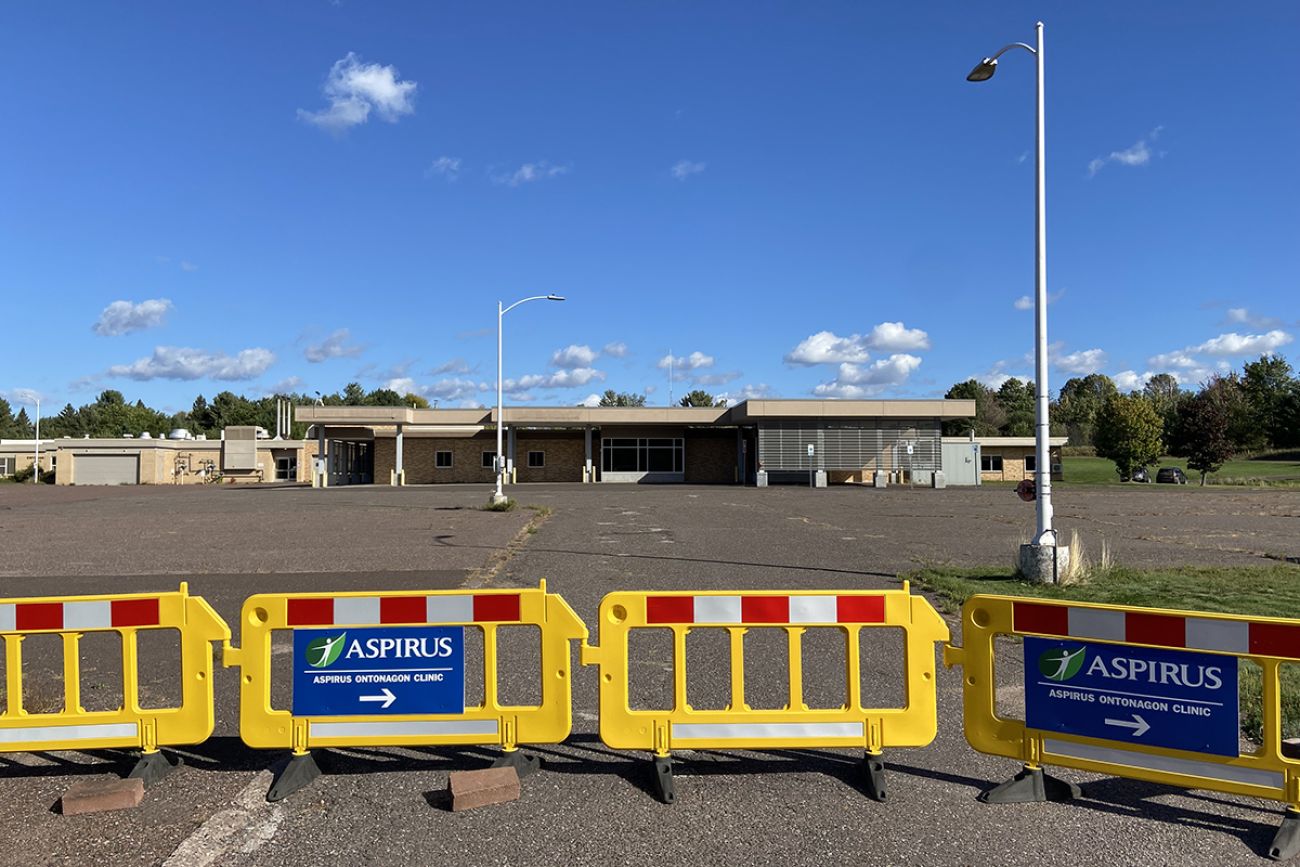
324 651
1060 664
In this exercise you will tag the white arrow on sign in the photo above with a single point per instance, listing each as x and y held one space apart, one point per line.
388 698
1139 725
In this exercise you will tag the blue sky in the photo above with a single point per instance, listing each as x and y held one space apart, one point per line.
795 199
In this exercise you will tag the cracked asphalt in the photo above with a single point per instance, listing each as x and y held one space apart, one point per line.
590 804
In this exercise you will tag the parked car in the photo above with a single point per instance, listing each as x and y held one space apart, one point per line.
1171 476
1140 475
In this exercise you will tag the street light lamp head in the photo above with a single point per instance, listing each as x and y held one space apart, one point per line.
984 71
554 297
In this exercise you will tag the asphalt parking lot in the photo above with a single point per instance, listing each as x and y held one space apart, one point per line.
590 804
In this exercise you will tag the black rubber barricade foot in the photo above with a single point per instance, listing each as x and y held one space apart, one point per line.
873 768
523 764
293 775
152 767
1286 842
663 769
1029 786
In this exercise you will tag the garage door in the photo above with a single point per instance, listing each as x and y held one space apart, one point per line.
106 469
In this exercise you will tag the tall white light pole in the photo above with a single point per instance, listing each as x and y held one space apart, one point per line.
36 474
1045 534
499 496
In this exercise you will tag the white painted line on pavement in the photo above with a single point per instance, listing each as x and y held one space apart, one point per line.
246 826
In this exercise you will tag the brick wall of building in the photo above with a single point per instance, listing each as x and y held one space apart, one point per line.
711 457
564 453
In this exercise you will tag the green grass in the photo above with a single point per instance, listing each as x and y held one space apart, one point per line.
1271 591
1263 470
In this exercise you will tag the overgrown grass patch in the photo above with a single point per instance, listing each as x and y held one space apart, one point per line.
1268 591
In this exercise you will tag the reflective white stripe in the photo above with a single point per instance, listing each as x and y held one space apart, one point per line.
784 731
814 609
356 609
403 729
1232 636
717 609
1168 764
1096 623
7 618
87 615
451 609
53 734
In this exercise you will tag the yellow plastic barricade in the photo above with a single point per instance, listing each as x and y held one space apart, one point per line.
380 721
795 725
1145 693
129 726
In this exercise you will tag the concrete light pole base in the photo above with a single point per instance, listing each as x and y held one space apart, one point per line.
1044 564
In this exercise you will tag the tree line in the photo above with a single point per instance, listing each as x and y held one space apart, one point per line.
1233 413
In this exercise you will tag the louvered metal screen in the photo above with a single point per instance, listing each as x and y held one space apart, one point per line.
880 445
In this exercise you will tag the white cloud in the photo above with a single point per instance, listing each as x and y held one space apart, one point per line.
287 385
1245 344
1137 155
896 337
24 395
574 355
1026 302
826 347
188 266
683 169
746 392
720 378
1177 360
176 362
1243 316
857 381
334 346
694 361
456 365
592 399
1129 380
355 89
449 389
1083 362
529 172
617 349
447 167
123 317
559 379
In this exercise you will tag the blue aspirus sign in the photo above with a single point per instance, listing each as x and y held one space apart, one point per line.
379 670
1180 699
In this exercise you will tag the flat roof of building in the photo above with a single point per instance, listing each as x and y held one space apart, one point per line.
747 411
1007 441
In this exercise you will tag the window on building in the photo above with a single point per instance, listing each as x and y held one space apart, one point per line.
537 459
1031 464
489 460
991 463
442 460
642 455
6 466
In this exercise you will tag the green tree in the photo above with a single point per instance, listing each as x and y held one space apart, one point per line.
383 397
1203 424
23 428
989 415
1244 431
1165 395
1128 432
1081 399
1017 400
8 427
621 398
414 400
354 394
1268 384
700 397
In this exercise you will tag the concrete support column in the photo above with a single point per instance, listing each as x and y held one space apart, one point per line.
399 473
510 455
320 471
587 474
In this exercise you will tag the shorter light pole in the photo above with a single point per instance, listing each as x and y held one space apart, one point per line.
499 496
